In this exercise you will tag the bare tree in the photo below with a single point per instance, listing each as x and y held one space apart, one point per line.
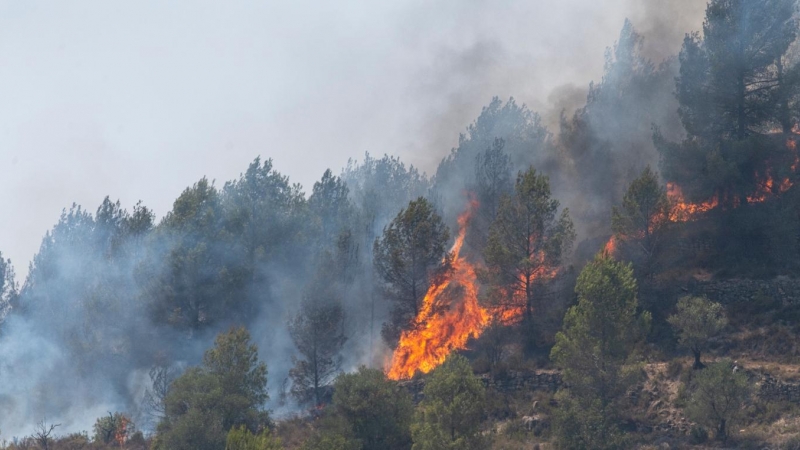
161 376
42 433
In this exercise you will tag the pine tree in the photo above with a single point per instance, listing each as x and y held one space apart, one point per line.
317 332
227 391
527 241
732 89
595 350
643 215
409 256
450 415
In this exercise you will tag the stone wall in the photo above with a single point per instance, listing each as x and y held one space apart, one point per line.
783 289
773 389
546 380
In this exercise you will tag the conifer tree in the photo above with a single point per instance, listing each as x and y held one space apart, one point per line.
527 242
408 257
595 350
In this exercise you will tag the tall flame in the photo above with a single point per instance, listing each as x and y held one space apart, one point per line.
438 333
450 315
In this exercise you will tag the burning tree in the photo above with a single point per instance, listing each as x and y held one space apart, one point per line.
527 242
450 315
727 102
409 256
115 429
643 214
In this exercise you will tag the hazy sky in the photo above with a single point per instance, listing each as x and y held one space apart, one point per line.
139 99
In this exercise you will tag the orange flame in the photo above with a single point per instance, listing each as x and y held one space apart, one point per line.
438 333
683 211
610 248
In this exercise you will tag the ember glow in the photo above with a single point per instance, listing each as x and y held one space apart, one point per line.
611 246
449 317
121 433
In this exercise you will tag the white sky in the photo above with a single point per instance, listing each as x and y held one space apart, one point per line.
139 99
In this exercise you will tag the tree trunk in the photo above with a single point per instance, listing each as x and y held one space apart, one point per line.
528 298
721 431
697 363
784 116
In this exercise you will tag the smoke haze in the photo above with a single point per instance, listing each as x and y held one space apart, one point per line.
140 100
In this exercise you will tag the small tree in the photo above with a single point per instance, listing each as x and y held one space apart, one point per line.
718 395
527 241
376 409
228 390
643 214
161 376
43 432
241 438
8 287
408 257
697 321
330 440
242 377
114 428
596 352
451 414
317 333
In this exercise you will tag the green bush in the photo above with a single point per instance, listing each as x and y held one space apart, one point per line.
451 414
242 439
717 397
793 443
698 435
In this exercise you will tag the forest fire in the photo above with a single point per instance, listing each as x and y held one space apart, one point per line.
683 211
437 334
440 332
611 246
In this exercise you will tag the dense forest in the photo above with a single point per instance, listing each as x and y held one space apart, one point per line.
627 279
